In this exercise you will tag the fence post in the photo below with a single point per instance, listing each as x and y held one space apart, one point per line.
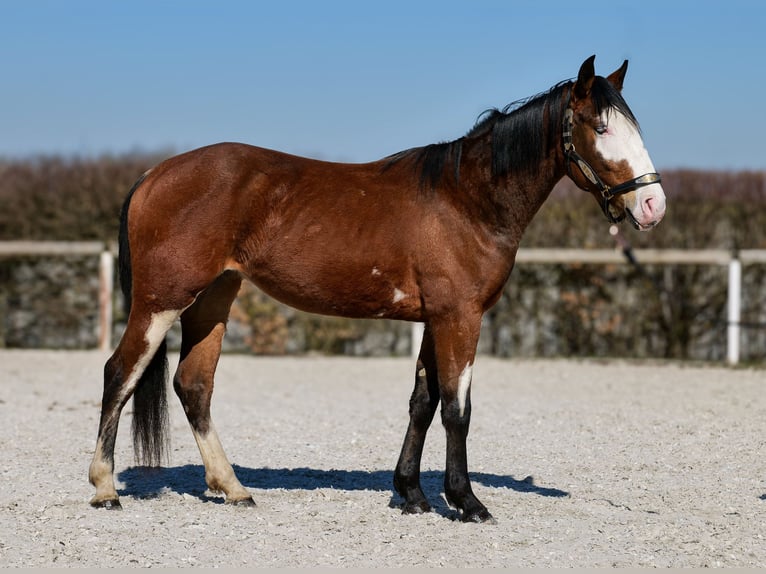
105 288
734 310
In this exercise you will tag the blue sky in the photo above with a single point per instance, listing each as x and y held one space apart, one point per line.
355 80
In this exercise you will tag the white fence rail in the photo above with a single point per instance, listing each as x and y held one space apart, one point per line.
734 261
528 256
722 257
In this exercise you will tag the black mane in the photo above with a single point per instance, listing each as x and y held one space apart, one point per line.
521 134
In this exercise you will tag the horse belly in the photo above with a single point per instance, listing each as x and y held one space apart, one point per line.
338 282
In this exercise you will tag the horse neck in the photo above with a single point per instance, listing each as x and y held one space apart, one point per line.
510 202
524 194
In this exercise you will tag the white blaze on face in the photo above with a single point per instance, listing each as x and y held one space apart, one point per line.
622 142
463 384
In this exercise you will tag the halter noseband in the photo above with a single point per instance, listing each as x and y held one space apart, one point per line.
607 193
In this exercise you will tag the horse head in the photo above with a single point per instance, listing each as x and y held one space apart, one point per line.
602 140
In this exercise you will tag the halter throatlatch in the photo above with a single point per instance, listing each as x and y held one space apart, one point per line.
607 193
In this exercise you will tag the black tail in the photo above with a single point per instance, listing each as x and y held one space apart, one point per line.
151 440
150 405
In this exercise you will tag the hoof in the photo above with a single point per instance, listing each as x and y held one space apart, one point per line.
416 508
109 504
242 502
481 516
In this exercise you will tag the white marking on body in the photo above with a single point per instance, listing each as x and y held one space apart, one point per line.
158 327
399 295
375 272
463 384
422 372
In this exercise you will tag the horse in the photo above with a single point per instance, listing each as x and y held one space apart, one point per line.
428 235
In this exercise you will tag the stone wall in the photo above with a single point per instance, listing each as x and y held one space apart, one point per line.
545 311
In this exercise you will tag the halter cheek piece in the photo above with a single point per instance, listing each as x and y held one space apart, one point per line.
607 193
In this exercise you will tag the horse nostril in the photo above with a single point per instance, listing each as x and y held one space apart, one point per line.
650 205
653 206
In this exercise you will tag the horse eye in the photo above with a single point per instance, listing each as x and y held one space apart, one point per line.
601 129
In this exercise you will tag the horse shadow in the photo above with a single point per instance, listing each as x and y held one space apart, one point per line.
189 480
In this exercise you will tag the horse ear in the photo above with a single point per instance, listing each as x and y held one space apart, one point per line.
584 81
618 76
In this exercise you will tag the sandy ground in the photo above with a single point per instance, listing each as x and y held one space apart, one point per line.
582 464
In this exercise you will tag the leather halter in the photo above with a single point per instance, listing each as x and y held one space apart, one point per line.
607 193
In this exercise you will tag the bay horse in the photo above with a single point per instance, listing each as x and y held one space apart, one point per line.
429 234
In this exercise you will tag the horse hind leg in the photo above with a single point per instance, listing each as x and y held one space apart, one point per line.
203 326
138 359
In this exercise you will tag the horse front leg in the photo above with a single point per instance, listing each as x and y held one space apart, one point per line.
423 403
455 340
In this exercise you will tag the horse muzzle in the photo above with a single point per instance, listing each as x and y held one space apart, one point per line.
648 208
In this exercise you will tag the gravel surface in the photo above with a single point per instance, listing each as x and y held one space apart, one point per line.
582 463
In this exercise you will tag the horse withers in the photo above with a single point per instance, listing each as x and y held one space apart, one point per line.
429 234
